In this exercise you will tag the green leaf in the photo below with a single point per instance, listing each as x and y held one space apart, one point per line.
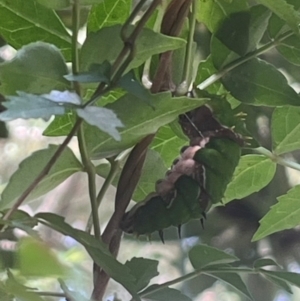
234 280
291 278
285 11
130 84
202 256
283 215
238 35
164 294
234 32
290 47
104 119
280 283
108 13
96 248
66 165
139 120
30 106
285 130
96 74
61 125
213 12
72 295
263 262
55 4
36 259
60 4
37 68
19 291
99 46
22 23
143 269
253 173
259 83
167 144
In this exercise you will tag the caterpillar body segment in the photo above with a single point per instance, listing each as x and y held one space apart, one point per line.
219 159
195 181
155 214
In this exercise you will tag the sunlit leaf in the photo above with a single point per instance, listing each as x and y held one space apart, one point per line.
283 215
35 258
286 129
24 22
167 144
252 174
108 13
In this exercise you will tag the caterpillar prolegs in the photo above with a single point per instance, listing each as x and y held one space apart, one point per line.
196 180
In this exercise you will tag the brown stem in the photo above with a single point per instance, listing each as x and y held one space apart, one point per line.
133 167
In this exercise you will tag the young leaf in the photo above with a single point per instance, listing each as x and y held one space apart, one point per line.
202 256
212 13
139 120
30 106
143 269
253 173
22 23
66 165
108 13
285 11
36 259
285 129
259 83
99 46
37 68
96 248
234 280
104 119
283 215
164 294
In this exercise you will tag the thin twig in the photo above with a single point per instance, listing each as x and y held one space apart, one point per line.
44 172
114 169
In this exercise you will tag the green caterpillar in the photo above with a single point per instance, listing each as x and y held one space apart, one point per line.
196 180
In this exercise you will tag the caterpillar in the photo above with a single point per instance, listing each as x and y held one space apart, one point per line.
197 179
